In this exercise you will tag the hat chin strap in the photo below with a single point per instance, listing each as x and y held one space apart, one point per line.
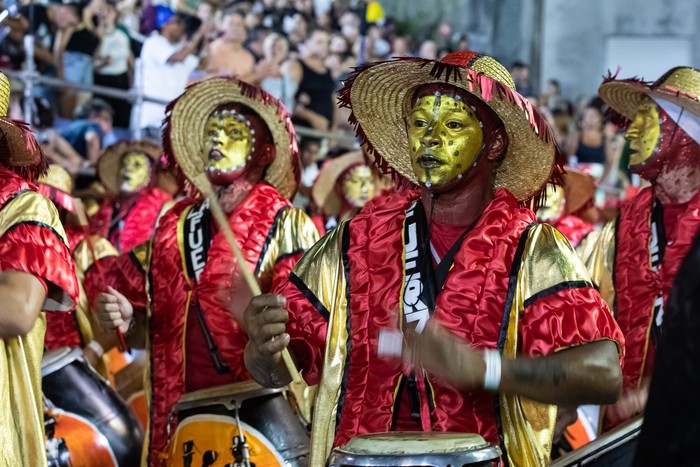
688 121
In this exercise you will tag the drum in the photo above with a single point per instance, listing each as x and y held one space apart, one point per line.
432 449
128 382
72 441
72 385
208 433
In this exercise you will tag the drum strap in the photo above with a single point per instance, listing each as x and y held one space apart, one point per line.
198 239
657 248
422 283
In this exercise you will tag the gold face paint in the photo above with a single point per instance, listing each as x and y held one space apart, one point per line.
358 186
643 133
228 142
444 137
134 172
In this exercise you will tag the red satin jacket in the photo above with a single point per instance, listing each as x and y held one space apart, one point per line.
272 235
471 303
138 221
636 284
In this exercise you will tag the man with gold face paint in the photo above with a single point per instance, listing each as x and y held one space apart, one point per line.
638 254
129 214
36 274
242 139
343 187
498 316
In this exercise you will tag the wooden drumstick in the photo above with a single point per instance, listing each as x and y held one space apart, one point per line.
83 221
202 183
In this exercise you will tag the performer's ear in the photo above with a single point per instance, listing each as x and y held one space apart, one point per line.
498 145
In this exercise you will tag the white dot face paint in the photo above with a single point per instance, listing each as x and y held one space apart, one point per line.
445 138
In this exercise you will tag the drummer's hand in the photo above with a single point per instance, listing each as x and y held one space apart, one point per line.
114 311
266 320
630 404
446 356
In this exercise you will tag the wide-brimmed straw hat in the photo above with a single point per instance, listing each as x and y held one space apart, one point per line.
183 136
379 96
110 161
19 149
680 85
323 191
579 188
4 95
57 185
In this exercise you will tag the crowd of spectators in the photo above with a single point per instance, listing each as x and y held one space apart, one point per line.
297 50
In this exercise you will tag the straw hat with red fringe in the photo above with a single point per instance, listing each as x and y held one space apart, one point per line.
57 185
680 85
323 191
379 95
20 152
110 161
186 117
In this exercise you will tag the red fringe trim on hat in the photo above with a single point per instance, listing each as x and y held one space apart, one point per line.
490 89
30 173
168 159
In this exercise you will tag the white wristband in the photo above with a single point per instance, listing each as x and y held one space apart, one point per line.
492 375
97 348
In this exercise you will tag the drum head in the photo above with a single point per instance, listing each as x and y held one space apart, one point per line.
227 395
54 360
409 447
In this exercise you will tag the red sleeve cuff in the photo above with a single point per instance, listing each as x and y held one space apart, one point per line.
567 318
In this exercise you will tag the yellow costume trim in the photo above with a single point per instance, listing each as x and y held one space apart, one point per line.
321 269
601 263
22 428
294 233
548 260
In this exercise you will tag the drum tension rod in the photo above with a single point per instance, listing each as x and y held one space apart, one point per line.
241 454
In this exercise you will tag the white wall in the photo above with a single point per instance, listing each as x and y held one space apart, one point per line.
582 39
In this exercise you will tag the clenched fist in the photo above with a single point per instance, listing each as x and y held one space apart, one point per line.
266 320
114 311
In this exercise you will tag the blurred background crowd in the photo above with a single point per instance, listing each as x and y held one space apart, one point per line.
298 50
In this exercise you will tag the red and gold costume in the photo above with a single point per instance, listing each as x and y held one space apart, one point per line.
188 263
128 221
71 329
637 256
32 240
515 285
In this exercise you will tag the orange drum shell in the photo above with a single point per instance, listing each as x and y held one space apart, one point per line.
138 404
86 445
211 432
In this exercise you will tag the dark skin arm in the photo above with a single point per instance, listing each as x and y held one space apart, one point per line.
586 374
265 320
22 296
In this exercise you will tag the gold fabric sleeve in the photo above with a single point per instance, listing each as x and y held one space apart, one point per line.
601 263
548 259
294 233
22 424
323 272
31 207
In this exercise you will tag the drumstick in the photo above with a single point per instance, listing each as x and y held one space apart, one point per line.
83 221
202 183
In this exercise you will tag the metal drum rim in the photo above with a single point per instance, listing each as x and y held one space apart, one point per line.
54 360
